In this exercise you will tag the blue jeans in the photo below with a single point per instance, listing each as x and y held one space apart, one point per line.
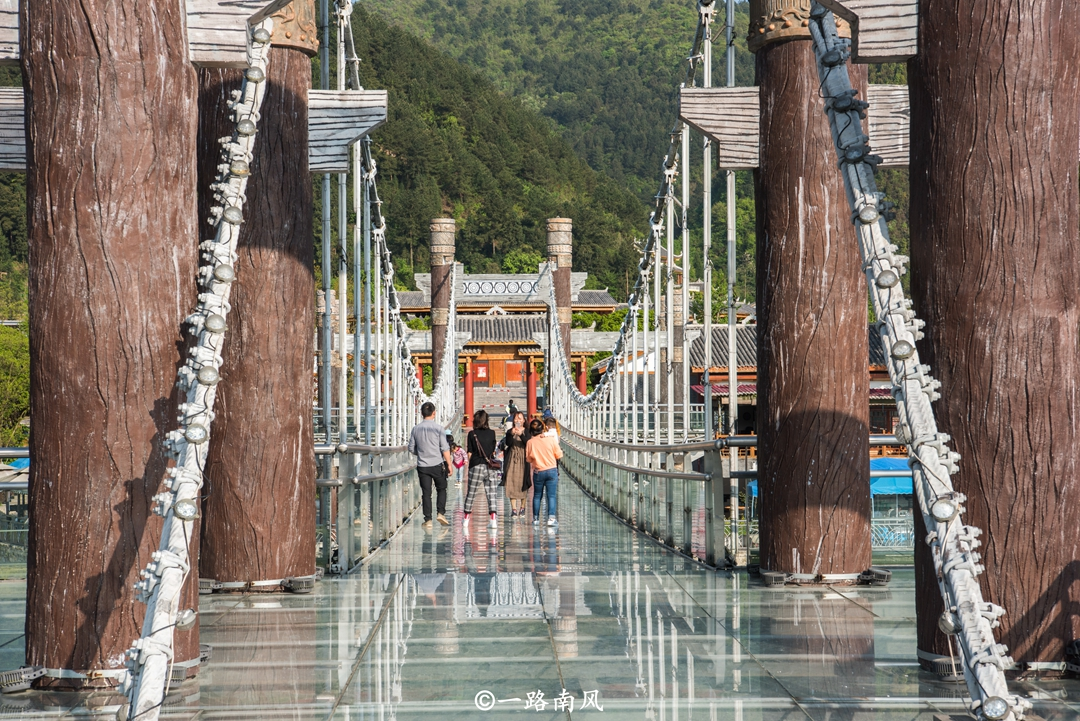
548 480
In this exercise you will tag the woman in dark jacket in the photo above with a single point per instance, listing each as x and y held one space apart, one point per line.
517 476
481 448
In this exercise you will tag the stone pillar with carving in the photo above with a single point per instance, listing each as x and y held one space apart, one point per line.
258 525
560 246
813 377
442 266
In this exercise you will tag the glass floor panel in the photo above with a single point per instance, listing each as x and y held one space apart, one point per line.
587 620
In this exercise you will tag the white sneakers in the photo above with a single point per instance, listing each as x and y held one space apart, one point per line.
552 521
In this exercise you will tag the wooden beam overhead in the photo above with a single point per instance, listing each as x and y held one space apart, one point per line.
730 116
219 31
9 32
882 31
335 120
12 130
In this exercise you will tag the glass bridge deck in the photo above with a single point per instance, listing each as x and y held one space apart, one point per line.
522 622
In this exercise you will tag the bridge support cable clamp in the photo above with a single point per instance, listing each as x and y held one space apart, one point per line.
150 660
968 618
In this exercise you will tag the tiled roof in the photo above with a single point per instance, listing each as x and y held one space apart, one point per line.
595 298
412 299
502 328
747 347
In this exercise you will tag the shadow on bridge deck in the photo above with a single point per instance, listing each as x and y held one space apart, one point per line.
446 623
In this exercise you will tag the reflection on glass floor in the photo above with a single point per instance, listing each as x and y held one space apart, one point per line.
588 621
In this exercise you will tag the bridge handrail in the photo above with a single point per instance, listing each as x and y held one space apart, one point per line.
677 475
876 440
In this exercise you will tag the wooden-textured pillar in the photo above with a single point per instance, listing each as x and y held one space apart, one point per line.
442 265
813 370
470 393
560 246
112 230
530 389
259 511
996 275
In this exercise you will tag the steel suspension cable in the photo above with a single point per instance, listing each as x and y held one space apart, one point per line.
150 659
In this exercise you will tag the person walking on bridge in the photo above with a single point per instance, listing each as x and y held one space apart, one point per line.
543 453
483 467
428 443
517 476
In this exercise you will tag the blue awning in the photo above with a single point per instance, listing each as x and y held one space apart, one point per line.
890 485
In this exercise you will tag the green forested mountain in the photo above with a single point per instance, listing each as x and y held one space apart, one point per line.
607 74
454 145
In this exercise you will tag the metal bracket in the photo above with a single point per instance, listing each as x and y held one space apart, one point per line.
20 679
875 577
208 586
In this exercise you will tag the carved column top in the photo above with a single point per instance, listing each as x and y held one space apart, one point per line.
776 20
442 241
295 27
560 238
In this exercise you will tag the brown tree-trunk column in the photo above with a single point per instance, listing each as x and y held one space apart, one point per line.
994 226
259 512
560 246
111 124
442 265
813 377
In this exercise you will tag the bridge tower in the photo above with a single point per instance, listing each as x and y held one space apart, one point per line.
996 275
258 527
111 187
560 247
442 266
813 382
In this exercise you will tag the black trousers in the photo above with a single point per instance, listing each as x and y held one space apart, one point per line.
429 475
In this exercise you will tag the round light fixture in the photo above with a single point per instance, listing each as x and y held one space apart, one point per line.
944 510
240 168
902 350
994 708
868 214
233 215
887 279
196 433
208 375
246 127
832 58
261 36
186 509
255 75
855 153
224 273
215 323
186 619
949 624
